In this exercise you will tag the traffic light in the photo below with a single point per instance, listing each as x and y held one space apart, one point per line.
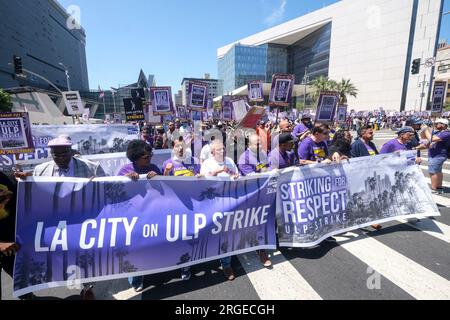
415 66
18 65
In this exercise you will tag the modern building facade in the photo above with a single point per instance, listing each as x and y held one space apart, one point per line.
37 31
372 43
215 87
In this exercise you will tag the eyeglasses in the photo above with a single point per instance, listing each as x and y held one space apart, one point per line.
148 156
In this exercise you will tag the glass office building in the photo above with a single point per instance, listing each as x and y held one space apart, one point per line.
372 43
246 63
37 32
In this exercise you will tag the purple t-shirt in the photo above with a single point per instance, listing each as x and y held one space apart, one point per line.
440 148
250 163
188 168
392 146
281 160
128 168
299 129
310 150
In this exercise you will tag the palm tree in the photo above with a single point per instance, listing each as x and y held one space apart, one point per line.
345 89
322 84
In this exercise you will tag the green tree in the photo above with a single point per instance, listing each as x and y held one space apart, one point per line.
322 84
5 101
346 89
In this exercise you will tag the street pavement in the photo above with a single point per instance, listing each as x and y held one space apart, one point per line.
405 260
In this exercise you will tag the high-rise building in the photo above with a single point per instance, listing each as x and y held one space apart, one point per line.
41 33
215 87
179 98
372 43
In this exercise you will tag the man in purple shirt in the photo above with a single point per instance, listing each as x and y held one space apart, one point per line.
302 127
254 159
405 135
314 149
438 153
282 157
181 165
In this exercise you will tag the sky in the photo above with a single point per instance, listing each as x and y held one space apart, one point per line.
173 39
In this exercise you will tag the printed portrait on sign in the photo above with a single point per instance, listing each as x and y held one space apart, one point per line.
162 101
282 88
255 91
198 96
182 113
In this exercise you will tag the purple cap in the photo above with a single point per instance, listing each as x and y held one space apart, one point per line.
60 142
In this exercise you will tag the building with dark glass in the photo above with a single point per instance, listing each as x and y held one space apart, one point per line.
41 33
372 43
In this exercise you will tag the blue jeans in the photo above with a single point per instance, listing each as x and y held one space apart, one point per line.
226 262
136 282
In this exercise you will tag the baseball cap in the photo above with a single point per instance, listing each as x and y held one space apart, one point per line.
442 121
405 130
61 141
285 137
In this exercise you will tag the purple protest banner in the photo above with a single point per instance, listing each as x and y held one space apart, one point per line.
182 113
255 91
114 228
282 88
439 96
161 101
227 108
15 133
341 115
197 96
327 104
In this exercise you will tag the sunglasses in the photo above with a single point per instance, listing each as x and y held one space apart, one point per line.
148 156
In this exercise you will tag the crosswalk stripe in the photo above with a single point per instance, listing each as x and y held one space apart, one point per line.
431 227
283 282
443 201
410 276
444 183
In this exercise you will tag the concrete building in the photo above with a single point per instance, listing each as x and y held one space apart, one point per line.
215 87
38 32
178 98
371 42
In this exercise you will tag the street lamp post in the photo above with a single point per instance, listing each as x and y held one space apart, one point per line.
67 75
305 80
114 99
423 84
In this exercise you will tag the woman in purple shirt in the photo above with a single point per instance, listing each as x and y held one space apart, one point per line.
140 154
